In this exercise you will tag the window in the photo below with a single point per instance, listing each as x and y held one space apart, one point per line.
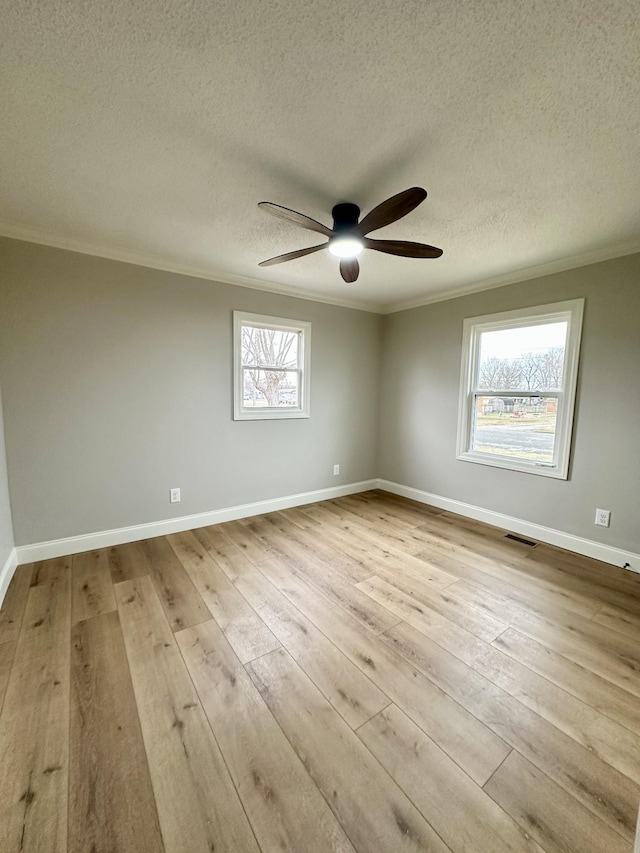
271 367
518 386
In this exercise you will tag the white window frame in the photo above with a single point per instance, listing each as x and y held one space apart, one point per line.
570 311
263 321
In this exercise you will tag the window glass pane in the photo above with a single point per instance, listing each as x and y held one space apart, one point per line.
527 358
269 347
270 388
522 428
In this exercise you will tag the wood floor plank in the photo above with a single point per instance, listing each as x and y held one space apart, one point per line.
369 508
34 725
405 540
180 599
127 562
410 597
371 556
530 596
285 807
241 625
340 591
297 516
514 583
348 689
92 588
587 589
227 555
466 740
517 608
375 813
440 789
589 579
422 655
287 539
411 541
290 542
619 620
607 698
608 653
605 791
108 775
485 539
604 737
412 512
7 651
14 604
252 548
598 574
197 804
357 508
318 547
548 813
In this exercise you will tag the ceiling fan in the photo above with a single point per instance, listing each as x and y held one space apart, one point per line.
348 237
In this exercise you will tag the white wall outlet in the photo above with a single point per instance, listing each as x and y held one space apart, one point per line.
336 470
174 496
602 517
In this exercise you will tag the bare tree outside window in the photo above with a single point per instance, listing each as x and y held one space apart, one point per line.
271 367
263 352
530 371
491 373
552 367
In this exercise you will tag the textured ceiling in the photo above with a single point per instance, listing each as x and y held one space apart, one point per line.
149 131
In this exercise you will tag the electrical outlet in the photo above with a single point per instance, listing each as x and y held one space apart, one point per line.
602 517
174 496
336 470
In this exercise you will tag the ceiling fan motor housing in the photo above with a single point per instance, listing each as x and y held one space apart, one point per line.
345 216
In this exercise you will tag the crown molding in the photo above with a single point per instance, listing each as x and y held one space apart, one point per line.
18 231
525 274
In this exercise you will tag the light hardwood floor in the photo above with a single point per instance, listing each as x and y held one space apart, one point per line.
362 674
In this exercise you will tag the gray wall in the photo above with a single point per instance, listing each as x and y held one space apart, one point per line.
117 387
6 524
419 406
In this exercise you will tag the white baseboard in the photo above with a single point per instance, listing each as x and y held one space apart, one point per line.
587 547
7 572
107 538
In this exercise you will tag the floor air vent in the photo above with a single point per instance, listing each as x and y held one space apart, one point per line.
520 539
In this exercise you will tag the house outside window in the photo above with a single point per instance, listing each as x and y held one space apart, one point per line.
518 387
271 367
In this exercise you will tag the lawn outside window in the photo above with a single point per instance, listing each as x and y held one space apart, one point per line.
518 387
271 358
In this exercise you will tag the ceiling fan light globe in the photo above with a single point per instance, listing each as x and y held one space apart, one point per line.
345 247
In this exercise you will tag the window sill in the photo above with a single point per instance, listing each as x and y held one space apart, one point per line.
266 415
541 469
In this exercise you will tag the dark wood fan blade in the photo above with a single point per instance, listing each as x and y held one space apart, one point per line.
404 248
295 217
349 269
291 256
391 210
